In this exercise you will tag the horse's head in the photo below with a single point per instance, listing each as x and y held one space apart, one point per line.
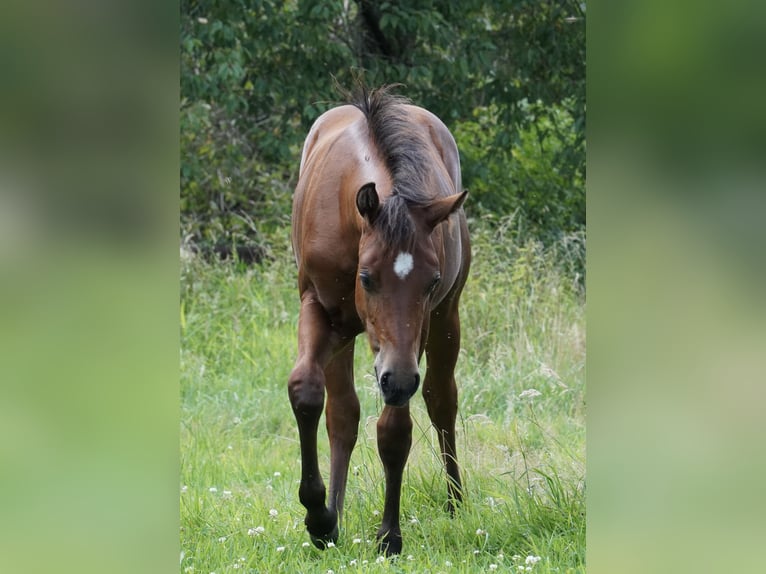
399 273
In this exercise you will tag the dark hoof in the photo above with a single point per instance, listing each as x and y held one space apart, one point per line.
389 543
454 500
323 529
322 541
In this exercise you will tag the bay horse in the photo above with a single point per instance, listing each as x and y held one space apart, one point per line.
381 243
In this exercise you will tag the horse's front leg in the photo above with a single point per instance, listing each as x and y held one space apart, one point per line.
306 388
394 441
342 416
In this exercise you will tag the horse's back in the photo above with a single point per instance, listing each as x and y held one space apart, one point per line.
338 158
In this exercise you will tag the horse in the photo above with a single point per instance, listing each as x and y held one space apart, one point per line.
381 243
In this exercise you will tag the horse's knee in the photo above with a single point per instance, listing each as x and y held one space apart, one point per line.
306 390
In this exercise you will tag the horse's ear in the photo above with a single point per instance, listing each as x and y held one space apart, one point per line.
440 209
368 202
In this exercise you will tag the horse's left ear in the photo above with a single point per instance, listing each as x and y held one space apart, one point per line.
368 202
440 209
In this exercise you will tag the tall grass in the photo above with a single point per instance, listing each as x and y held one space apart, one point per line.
521 436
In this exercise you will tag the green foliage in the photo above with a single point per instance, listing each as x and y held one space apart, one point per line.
227 195
534 178
507 77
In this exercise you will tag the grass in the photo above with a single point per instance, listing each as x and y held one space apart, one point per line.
521 453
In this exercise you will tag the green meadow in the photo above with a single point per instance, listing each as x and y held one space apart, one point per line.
521 425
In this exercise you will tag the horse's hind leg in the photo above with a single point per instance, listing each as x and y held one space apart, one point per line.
342 415
440 392
306 387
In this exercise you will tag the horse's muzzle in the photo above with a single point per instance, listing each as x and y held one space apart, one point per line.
398 388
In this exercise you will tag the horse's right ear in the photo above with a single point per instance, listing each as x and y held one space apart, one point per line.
368 202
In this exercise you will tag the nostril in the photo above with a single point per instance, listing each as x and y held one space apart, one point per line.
384 380
417 379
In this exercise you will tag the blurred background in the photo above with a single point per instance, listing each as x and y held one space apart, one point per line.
92 98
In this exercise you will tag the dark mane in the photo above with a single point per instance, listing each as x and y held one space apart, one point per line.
404 151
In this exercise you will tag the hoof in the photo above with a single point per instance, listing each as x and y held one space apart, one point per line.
453 502
323 531
450 507
321 542
390 543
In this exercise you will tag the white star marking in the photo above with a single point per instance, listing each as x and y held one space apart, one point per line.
403 265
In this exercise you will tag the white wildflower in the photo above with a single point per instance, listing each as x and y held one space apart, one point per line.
305 544
273 512
357 541
203 21
448 563
413 520
380 560
227 493
410 557
257 531
532 560
493 566
480 532
352 563
184 488
331 545
530 393
222 539
280 548
277 474
515 557
212 489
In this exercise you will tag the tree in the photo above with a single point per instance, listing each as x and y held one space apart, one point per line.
507 77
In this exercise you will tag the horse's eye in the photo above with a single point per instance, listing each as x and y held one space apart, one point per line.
434 282
364 278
